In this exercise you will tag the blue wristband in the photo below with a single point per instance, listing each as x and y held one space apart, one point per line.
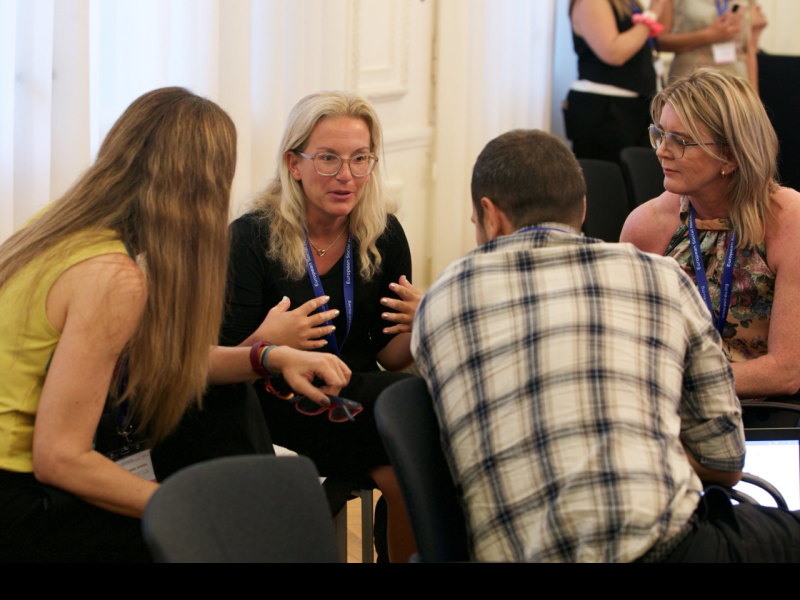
264 360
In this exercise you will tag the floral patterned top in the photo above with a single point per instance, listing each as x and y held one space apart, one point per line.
747 328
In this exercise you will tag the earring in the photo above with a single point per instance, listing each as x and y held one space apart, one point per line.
723 172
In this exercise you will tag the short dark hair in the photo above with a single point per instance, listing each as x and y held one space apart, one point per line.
531 176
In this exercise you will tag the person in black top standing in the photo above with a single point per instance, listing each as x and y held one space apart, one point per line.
607 108
321 264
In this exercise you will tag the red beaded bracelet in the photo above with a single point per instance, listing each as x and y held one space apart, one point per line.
649 19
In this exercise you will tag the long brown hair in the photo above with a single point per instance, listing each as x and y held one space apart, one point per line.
729 106
161 184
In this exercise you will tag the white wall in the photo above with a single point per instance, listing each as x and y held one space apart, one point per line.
780 36
446 76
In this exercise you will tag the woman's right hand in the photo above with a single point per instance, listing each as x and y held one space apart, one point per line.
297 328
726 27
299 369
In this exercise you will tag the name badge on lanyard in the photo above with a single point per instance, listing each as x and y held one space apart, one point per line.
349 288
724 52
726 285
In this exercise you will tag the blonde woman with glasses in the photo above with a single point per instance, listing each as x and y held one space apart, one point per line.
116 290
728 223
321 264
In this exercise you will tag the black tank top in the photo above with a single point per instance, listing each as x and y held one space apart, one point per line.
636 75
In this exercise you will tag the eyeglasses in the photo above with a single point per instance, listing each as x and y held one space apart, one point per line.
328 164
675 143
340 410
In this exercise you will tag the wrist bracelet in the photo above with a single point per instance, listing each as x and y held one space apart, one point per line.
255 359
263 359
648 19
258 361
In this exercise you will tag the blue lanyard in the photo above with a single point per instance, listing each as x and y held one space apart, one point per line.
541 229
726 285
722 7
349 289
651 41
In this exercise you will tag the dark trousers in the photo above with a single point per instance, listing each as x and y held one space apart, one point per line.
739 534
601 126
42 524
230 423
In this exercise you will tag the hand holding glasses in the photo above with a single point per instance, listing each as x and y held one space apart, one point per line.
675 143
340 410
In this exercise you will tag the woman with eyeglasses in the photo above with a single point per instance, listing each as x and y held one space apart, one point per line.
728 223
607 106
116 291
320 263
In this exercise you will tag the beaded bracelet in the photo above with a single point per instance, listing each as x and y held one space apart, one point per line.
649 19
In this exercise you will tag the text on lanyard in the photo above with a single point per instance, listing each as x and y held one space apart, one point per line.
726 284
349 290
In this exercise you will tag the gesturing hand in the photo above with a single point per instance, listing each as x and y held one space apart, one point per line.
406 306
727 27
297 328
299 369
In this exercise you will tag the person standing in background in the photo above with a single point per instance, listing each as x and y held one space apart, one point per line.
607 108
719 33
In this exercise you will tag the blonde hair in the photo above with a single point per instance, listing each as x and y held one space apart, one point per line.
161 183
283 203
623 8
729 107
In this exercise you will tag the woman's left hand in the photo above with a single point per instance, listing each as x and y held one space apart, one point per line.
406 307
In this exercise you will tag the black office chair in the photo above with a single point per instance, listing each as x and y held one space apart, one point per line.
643 174
765 485
241 509
607 204
772 414
779 86
411 435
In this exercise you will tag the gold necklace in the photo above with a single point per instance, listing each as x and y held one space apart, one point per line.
322 252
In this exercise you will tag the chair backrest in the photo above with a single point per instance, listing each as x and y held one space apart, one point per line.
772 414
606 199
643 174
241 509
410 432
779 87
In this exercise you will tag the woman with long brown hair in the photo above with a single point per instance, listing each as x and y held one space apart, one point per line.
116 289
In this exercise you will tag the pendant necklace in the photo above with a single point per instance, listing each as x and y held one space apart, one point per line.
322 252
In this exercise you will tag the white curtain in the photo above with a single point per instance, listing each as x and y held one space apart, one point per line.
493 74
68 68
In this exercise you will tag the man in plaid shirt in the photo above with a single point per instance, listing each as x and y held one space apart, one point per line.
580 386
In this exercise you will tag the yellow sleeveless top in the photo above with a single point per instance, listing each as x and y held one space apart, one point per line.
28 340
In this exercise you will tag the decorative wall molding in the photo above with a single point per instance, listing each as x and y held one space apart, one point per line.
407 138
390 81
